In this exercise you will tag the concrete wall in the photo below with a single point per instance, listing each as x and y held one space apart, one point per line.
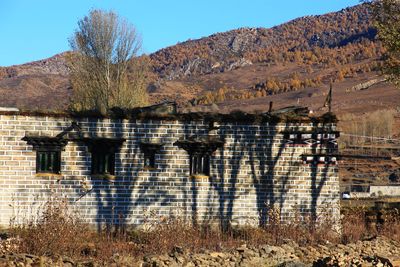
384 190
254 170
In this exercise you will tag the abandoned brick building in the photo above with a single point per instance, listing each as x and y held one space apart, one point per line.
213 167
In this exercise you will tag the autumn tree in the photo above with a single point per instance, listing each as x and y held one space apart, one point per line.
105 71
295 84
387 22
340 75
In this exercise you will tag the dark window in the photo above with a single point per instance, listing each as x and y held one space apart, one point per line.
103 162
149 159
48 152
103 152
48 161
200 164
149 154
200 150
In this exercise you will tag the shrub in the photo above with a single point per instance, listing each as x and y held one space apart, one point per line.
55 230
354 225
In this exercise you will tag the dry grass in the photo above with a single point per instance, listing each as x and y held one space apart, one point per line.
360 223
354 225
374 124
58 231
391 225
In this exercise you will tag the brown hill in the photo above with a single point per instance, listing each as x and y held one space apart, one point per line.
223 51
242 69
41 84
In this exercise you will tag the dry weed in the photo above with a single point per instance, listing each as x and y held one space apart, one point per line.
56 230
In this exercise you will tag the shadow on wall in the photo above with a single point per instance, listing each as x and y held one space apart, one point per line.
250 152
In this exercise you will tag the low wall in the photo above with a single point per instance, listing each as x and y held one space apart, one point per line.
384 190
359 195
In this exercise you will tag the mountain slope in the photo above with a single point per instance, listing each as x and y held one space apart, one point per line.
218 51
246 68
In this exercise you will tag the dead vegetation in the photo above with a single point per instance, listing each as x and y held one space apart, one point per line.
54 230
376 124
58 231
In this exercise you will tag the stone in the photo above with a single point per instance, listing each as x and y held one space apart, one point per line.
89 250
178 249
241 249
292 264
217 254
189 264
87 264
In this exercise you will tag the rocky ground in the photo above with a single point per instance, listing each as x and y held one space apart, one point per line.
379 251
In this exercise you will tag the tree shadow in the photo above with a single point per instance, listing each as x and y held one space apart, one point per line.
320 173
250 155
255 158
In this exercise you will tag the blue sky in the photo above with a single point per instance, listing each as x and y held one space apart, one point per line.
37 29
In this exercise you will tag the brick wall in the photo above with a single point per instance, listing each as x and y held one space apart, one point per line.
255 169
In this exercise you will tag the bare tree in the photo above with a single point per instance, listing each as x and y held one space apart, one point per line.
105 71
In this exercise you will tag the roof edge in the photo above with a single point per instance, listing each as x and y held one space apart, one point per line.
196 116
168 111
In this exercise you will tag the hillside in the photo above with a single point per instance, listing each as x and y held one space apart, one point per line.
242 69
224 51
40 84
